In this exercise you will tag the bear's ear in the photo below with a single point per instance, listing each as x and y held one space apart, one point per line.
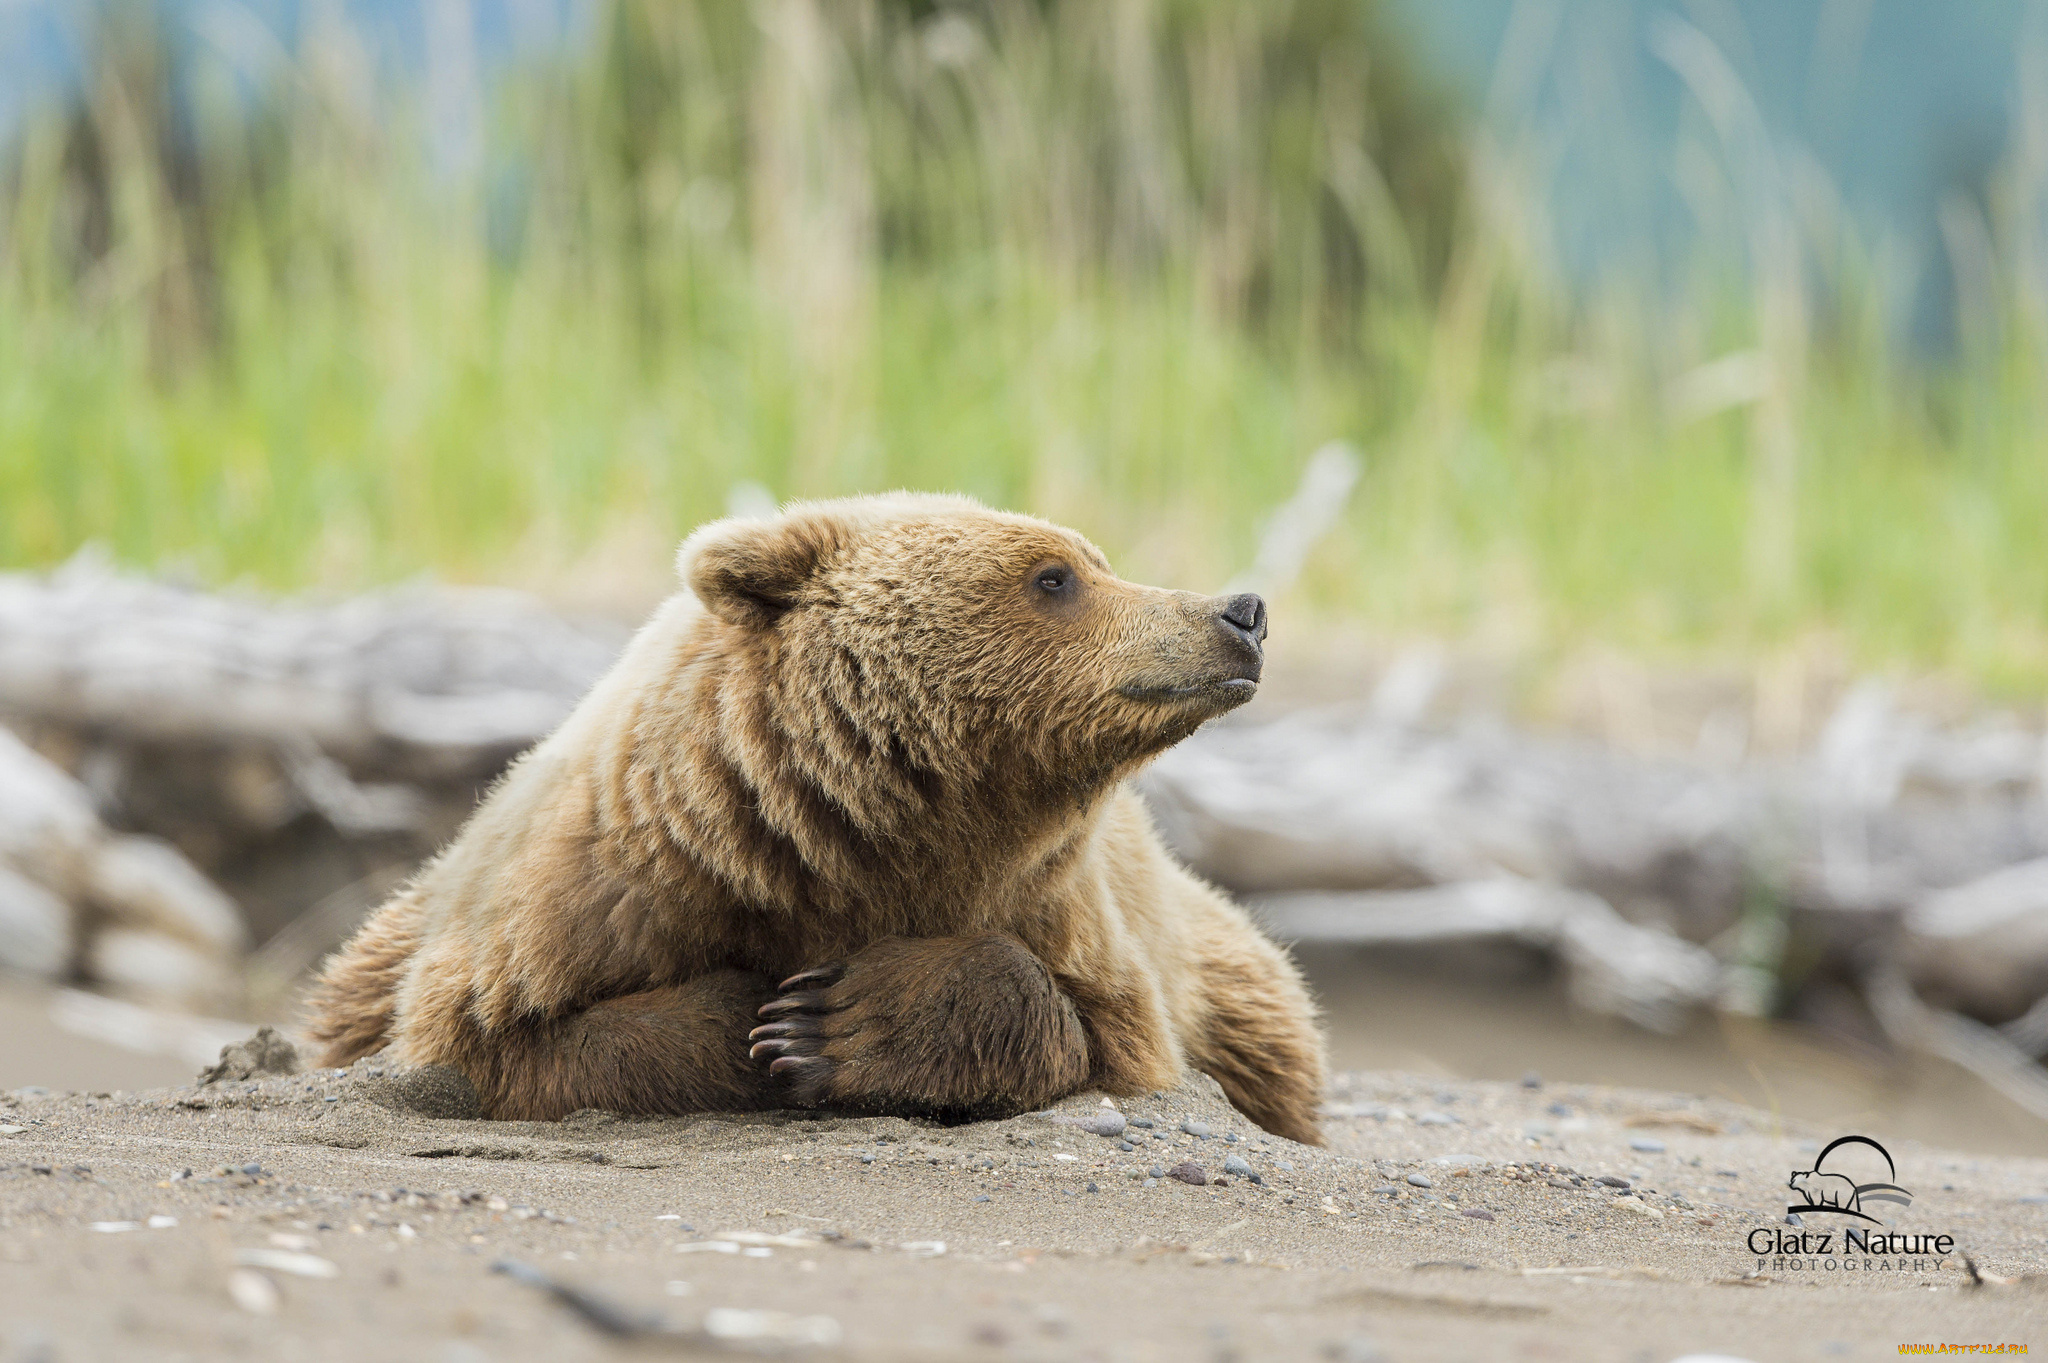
750 572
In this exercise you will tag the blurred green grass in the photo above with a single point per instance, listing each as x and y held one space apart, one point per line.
1121 266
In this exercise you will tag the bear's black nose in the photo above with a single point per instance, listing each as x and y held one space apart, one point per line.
1246 615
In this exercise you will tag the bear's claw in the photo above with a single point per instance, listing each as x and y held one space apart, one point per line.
807 1075
791 1037
790 1006
818 975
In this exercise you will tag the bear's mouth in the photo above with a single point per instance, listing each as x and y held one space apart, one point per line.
1227 690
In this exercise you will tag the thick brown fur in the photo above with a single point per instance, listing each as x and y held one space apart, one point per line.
849 824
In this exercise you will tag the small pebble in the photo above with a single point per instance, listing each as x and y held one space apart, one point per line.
1286 1165
1613 1182
1199 1130
1558 1110
1150 1183
252 1170
1231 1137
1125 1146
1792 1219
1532 1080
1188 1172
1420 1181
1145 1122
1093 1189
1648 1145
1477 1214
1234 1164
1104 1123
867 1159
1435 1119
1386 1188
984 1197
1158 1171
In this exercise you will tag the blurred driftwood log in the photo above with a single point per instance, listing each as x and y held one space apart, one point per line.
1898 858
299 756
304 757
412 684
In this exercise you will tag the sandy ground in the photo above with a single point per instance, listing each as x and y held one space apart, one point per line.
324 1218
1418 1013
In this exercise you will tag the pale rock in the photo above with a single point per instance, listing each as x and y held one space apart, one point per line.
148 884
47 824
156 966
35 927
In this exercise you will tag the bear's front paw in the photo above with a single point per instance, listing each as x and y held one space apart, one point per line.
794 1037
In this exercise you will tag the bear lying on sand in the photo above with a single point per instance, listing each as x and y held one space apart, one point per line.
878 753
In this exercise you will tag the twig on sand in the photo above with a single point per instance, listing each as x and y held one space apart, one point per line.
600 1313
757 1332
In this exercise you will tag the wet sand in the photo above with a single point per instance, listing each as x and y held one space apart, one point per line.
1430 1016
35 1050
871 1238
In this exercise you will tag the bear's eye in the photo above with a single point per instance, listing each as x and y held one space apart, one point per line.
1053 580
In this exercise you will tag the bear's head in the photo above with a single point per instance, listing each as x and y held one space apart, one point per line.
931 633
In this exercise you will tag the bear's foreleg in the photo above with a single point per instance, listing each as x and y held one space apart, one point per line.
1259 1039
350 1009
675 1049
952 1026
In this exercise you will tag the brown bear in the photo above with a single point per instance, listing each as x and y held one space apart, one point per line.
879 752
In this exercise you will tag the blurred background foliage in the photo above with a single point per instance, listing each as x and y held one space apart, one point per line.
275 308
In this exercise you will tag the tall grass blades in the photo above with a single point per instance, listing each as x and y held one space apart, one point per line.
284 310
